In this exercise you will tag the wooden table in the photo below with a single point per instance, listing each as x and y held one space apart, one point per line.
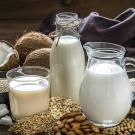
19 16
4 130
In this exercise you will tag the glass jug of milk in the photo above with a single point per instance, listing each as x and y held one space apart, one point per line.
105 93
67 62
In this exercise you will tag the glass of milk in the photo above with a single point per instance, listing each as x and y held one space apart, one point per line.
105 93
28 90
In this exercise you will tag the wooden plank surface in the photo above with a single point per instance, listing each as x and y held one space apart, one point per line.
4 130
38 9
12 29
17 16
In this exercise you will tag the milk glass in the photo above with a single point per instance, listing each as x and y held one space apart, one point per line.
28 91
105 93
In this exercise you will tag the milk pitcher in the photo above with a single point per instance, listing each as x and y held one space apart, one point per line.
67 62
105 92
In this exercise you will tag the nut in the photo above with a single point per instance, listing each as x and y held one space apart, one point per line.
67 126
58 133
64 130
75 126
95 129
70 115
60 125
71 133
80 118
85 123
70 120
85 127
79 132
55 129
87 130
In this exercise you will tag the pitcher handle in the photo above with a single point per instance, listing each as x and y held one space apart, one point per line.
129 61
89 52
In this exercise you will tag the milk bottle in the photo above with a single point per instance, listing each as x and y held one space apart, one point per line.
67 62
105 93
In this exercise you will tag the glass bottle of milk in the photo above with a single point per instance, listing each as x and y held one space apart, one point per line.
67 62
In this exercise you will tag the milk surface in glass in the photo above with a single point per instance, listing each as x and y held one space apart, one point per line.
109 93
67 66
28 94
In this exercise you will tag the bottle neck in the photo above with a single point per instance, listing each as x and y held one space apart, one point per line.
70 24
67 19
66 24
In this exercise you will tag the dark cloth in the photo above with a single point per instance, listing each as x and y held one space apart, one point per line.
120 30
48 24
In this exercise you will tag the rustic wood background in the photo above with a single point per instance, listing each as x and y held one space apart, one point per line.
19 16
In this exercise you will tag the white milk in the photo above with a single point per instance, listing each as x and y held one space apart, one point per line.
105 94
28 95
67 65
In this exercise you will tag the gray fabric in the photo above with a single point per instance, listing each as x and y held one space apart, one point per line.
120 30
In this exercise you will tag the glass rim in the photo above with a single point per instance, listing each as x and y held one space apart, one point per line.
67 14
106 49
27 67
68 19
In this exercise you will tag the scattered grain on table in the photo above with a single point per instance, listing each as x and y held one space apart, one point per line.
3 85
132 80
126 127
132 110
76 123
43 122
65 116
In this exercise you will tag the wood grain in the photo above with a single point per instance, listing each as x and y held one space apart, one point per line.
4 130
17 16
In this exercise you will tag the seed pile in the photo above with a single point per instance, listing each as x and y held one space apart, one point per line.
42 123
132 111
36 124
126 127
60 105
3 85
76 123
132 80
65 117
